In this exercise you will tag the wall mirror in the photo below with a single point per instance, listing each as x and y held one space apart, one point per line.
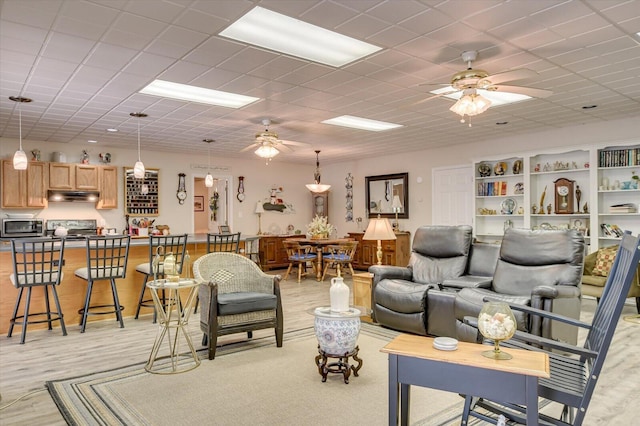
385 193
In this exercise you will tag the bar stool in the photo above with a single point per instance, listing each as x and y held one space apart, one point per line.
174 244
37 262
106 260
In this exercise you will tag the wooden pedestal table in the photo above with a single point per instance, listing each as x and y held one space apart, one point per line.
173 316
337 334
414 361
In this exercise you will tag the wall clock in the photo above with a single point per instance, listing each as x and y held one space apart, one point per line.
240 195
182 191
564 196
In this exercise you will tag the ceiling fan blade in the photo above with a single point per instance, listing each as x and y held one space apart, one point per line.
518 74
529 91
250 147
283 148
434 96
294 143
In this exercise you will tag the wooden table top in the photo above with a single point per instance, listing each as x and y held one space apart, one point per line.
530 363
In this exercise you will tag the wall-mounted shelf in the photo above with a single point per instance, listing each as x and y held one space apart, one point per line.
141 195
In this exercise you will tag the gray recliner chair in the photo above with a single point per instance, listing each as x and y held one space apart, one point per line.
399 293
541 269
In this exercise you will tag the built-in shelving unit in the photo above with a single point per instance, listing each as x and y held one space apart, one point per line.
599 178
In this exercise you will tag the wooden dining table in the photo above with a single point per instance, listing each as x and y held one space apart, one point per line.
319 244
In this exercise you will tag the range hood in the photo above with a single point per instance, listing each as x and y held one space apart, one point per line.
62 195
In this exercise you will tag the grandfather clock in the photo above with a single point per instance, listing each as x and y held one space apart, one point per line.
564 190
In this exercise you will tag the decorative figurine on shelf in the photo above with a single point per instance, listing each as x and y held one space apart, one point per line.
578 197
537 168
534 209
84 159
585 209
213 205
549 208
544 193
105 158
35 155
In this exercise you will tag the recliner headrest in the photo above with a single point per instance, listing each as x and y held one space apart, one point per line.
536 247
442 241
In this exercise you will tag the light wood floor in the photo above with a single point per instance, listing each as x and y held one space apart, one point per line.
47 355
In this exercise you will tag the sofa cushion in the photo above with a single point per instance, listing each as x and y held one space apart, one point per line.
594 280
482 259
604 261
400 295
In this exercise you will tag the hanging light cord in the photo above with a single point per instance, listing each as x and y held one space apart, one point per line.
20 123
138 138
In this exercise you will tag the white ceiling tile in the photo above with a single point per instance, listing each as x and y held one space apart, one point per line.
160 10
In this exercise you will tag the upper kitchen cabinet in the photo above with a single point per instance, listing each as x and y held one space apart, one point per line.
73 176
108 178
24 188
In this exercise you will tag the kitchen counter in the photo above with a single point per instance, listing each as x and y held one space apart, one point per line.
72 289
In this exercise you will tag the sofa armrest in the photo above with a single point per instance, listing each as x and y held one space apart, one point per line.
555 292
381 272
468 281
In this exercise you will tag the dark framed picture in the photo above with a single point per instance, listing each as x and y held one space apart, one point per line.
224 229
198 203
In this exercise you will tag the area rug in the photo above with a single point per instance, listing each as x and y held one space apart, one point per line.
251 383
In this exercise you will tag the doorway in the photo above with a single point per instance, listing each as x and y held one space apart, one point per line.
452 196
212 206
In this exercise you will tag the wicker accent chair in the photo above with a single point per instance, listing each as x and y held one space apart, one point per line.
236 297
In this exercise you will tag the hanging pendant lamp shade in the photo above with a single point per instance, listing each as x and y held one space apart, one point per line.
317 186
138 168
20 161
208 180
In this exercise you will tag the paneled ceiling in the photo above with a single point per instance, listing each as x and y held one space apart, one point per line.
84 61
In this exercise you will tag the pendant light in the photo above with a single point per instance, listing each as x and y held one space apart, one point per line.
138 169
208 181
317 186
20 158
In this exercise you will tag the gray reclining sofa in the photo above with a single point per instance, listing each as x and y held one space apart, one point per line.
448 277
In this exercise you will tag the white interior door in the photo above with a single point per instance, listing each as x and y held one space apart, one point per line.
452 195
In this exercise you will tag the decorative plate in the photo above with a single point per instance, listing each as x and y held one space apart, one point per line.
484 170
508 206
500 168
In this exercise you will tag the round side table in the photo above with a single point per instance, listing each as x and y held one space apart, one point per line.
337 334
173 315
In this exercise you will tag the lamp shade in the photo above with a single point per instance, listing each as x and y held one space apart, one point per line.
317 187
208 180
396 205
138 170
379 229
259 208
20 160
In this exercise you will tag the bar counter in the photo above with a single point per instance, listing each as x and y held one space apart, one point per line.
72 290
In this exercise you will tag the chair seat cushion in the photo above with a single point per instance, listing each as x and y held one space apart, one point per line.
300 257
594 280
400 295
342 257
38 278
99 273
145 268
242 302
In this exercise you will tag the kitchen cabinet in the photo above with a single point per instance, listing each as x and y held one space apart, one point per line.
68 176
108 179
394 252
272 252
24 188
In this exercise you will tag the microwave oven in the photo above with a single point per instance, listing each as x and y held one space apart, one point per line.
20 228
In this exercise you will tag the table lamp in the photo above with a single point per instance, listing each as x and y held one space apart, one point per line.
396 206
379 229
259 211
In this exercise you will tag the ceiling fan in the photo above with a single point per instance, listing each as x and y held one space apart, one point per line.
473 88
267 145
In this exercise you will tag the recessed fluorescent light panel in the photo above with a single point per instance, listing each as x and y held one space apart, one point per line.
361 123
264 28
184 92
496 98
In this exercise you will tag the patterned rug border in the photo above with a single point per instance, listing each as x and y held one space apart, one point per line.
69 394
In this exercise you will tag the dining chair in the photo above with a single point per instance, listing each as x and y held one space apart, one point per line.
299 255
107 258
37 262
174 244
339 256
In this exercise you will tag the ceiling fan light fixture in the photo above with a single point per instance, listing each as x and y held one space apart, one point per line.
316 186
267 152
471 104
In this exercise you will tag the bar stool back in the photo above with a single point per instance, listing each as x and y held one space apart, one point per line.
37 262
174 244
229 243
106 260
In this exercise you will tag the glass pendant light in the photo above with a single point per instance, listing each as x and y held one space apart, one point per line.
317 186
208 181
20 158
138 168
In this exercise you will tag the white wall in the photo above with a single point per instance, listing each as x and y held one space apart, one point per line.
292 177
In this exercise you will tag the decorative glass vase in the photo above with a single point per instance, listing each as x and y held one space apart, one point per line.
496 322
